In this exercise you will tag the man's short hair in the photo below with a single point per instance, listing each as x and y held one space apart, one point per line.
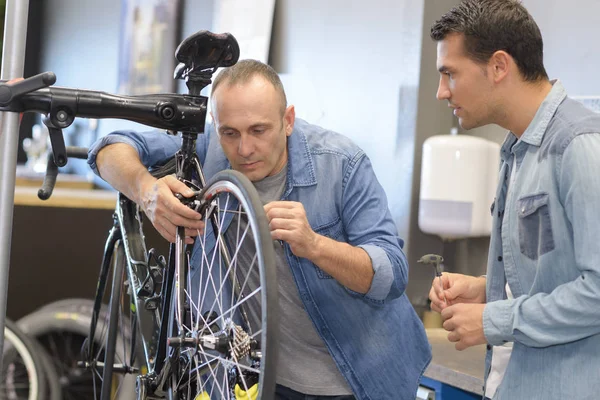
244 70
492 25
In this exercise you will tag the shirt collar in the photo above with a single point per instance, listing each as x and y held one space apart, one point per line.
301 167
534 134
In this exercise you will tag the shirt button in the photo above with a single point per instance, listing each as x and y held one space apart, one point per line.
499 258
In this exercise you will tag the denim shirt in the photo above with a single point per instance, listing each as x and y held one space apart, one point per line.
376 339
548 252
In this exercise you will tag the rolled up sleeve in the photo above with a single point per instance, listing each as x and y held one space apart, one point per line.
369 225
153 147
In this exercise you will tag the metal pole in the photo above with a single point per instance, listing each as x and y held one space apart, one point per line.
13 60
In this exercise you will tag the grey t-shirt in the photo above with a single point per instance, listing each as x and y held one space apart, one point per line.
304 363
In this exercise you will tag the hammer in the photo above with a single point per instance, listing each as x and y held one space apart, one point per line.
435 260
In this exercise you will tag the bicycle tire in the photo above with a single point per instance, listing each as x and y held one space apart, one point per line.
115 308
62 328
23 374
238 364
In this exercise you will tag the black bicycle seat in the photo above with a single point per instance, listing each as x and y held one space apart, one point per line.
206 50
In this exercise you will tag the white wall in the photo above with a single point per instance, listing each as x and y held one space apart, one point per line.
571 48
80 43
353 67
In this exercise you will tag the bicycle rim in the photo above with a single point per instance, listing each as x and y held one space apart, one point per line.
113 354
62 329
22 374
225 312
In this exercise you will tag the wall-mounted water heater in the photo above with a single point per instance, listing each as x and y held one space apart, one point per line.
459 174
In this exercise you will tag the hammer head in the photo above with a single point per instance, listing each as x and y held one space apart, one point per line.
435 260
431 259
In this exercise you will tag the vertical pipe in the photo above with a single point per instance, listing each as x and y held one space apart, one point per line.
13 60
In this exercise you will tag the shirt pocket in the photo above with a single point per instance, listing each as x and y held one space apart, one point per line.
332 230
535 226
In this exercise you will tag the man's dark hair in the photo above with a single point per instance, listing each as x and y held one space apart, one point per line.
492 25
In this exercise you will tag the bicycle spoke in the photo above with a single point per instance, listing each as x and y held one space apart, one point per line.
223 329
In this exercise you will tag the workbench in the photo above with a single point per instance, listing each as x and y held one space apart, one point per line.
463 370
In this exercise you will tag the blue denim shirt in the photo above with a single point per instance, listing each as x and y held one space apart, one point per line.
548 251
376 339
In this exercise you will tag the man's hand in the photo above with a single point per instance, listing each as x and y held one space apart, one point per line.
166 212
288 222
458 288
465 324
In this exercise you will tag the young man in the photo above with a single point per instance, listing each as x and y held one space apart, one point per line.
353 333
543 246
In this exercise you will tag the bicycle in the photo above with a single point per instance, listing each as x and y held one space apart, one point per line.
214 340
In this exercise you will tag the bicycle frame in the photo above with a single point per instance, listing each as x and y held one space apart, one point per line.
127 233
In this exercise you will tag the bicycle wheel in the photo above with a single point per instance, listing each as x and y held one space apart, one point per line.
54 388
111 355
23 375
224 344
62 329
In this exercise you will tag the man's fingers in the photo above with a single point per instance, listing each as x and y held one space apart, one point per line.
281 234
433 294
436 304
283 224
460 345
177 209
447 313
283 213
177 186
444 290
193 232
281 204
437 287
450 294
435 307
189 223
170 230
453 337
449 325
166 233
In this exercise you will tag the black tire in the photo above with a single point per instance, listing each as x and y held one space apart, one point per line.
251 322
114 321
62 328
23 375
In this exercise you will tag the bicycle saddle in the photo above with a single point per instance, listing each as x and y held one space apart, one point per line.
203 52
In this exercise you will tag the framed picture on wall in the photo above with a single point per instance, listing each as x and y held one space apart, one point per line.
149 37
